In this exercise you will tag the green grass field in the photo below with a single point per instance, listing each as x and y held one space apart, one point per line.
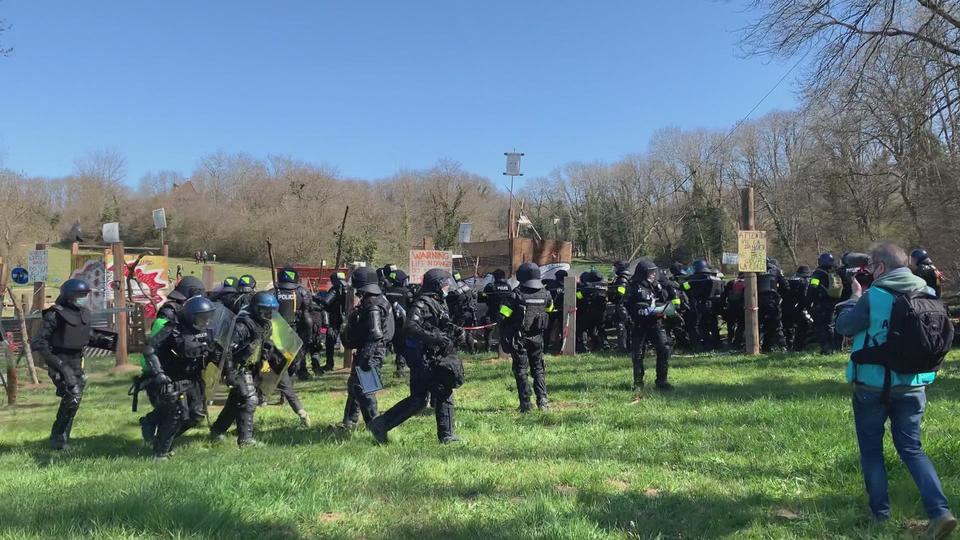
743 448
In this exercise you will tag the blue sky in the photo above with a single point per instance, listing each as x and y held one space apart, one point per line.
369 87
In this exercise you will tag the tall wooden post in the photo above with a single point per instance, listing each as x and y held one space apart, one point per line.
351 301
10 366
74 250
751 316
120 302
569 329
208 277
39 295
165 250
428 243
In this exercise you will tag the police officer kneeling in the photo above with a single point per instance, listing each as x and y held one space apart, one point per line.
435 369
65 331
524 322
177 355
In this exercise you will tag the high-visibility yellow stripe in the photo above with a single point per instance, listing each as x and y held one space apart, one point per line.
551 308
506 311
676 301
622 290
815 282
686 286
579 295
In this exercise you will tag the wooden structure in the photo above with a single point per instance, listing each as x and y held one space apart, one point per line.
752 316
508 254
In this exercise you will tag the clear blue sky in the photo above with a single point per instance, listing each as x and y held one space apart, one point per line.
369 87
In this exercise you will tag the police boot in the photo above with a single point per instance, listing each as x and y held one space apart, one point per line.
543 404
525 406
148 429
304 418
378 428
450 439
315 365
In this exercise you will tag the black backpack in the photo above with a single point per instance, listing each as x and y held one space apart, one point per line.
918 339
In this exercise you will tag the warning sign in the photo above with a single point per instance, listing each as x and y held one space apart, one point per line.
753 251
422 260
37 265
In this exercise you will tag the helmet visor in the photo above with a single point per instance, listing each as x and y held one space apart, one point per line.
202 320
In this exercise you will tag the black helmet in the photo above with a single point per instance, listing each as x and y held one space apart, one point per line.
435 279
560 275
918 255
338 278
188 287
772 263
72 291
247 283
621 268
398 278
826 260
803 270
364 279
499 274
529 276
700 266
230 284
262 306
645 267
288 275
677 270
197 312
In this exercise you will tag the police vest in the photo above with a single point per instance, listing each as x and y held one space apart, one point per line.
287 297
533 304
766 283
187 355
703 287
797 286
73 332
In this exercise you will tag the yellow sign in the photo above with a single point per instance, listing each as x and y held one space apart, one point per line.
753 251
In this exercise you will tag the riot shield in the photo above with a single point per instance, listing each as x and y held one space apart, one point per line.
286 345
221 330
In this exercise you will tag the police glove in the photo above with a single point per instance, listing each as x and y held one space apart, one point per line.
161 379
69 379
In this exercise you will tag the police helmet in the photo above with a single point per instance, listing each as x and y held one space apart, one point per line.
288 275
826 260
677 270
499 274
918 255
560 275
338 278
247 283
398 278
803 271
621 268
198 312
229 283
188 287
262 305
529 276
435 280
364 279
72 291
700 266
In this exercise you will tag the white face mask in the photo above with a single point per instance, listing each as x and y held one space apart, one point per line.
82 301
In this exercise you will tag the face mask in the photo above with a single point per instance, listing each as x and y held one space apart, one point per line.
81 301
444 291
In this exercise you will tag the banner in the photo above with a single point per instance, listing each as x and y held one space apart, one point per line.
90 268
422 260
151 285
753 251
463 234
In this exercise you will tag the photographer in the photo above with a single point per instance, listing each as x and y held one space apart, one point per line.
881 392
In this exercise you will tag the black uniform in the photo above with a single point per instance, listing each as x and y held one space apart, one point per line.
177 355
591 312
770 288
796 316
521 334
462 303
399 297
65 331
732 302
553 338
642 299
369 331
429 334
250 349
676 327
929 273
617 296
822 306
295 305
494 294
704 290
334 302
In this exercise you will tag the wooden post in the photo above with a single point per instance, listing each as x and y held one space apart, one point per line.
569 329
165 250
428 243
39 295
751 316
120 302
10 366
74 250
352 301
208 277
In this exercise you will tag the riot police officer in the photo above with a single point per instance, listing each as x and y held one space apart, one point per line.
796 317
555 314
295 302
227 294
369 331
923 267
770 288
645 296
521 334
399 297
335 304
250 348
616 296
672 281
733 309
591 312
462 303
704 289
65 331
824 291
187 288
431 344
493 296
177 355
246 288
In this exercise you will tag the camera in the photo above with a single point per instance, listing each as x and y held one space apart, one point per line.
855 267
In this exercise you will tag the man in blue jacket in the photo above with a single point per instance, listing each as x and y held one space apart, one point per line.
868 314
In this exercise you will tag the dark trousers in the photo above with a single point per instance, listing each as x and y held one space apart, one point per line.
652 334
287 393
529 360
70 397
823 327
706 337
398 350
736 323
905 411
795 327
173 411
622 326
330 344
771 327
553 339
422 387
359 403
241 404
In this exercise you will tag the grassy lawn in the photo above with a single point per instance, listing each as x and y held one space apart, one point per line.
743 448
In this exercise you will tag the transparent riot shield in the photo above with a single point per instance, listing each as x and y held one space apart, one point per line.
286 345
221 330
